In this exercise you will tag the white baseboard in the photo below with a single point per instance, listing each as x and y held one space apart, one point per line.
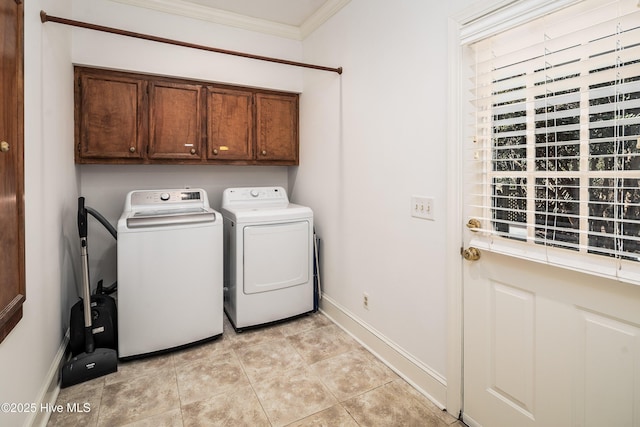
50 388
420 376
470 421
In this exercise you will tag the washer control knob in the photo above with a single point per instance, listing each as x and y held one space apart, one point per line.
254 193
164 196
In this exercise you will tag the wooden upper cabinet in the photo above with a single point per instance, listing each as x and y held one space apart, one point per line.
277 127
110 115
229 124
137 118
175 113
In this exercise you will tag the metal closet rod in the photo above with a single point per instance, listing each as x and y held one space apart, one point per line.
47 18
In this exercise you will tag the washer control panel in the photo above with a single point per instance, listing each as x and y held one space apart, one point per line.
155 197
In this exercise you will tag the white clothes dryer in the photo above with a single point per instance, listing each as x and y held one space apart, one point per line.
268 263
170 271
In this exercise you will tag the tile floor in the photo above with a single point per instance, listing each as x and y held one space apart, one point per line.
305 372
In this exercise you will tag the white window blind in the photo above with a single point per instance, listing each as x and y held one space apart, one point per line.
555 162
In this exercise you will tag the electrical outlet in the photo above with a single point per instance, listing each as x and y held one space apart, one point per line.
365 300
422 207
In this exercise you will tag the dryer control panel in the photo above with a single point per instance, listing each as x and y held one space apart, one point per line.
259 196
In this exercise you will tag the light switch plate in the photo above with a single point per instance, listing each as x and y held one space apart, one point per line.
422 207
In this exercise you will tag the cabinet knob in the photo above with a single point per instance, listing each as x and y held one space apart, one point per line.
132 149
215 151
192 151
4 146
264 152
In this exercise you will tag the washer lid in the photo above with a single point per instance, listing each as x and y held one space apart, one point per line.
159 217
254 215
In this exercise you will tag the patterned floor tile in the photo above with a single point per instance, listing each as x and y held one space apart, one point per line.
353 373
138 398
268 359
322 343
209 377
388 405
292 396
237 408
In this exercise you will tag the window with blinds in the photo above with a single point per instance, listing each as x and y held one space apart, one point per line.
556 151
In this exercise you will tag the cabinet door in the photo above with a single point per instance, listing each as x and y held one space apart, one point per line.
277 128
12 273
110 116
229 124
175 121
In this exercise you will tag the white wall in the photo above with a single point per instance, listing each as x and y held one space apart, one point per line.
27 354
100 49
372 138
105 187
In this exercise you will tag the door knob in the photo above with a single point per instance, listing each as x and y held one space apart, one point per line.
4 146
471 254
474 224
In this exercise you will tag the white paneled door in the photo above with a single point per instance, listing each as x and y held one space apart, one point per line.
545 346
550 172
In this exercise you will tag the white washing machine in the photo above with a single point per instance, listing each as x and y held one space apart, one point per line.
268 243
170 271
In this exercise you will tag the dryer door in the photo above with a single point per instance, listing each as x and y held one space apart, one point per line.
276 256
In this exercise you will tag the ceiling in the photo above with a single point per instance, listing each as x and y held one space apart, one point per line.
294 19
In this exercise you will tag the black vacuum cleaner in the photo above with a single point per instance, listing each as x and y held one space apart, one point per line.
104 312
93 362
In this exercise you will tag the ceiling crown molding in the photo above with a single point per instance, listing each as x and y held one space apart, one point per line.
218 16
321 16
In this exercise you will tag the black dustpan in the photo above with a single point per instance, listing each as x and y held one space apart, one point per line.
94 362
